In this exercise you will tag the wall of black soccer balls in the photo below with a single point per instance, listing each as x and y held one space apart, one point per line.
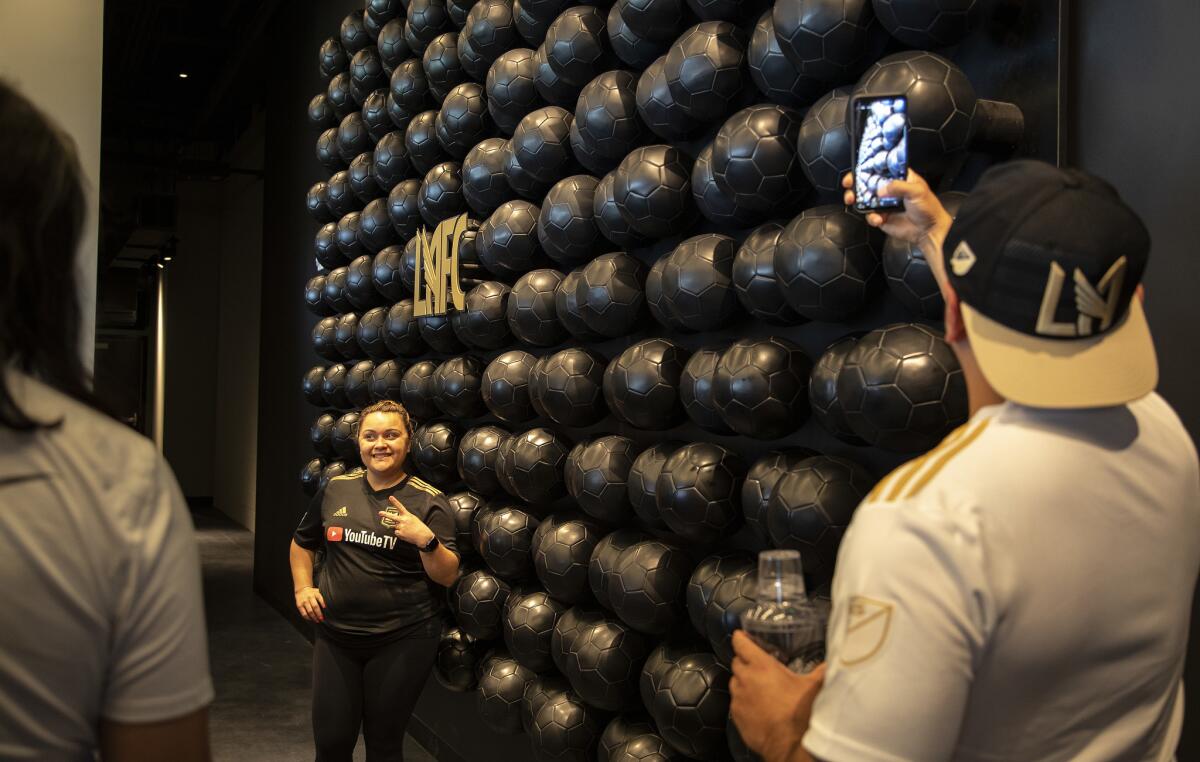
656 263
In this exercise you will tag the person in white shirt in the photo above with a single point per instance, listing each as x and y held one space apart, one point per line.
102 647
1022 591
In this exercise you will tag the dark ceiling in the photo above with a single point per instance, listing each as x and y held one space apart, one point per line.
157 127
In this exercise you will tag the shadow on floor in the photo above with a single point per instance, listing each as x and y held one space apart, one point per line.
261 665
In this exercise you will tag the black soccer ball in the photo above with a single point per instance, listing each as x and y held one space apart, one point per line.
438 332
714 202
633 49
773 73
652 190
417 390
697 282
824 144
478 452
424 149
754 159
507 242
321 434
755 281
435 450
603 562
831 43
567 227
506 386
641 385
529 627
823 390
346 337
561 554
538 457
707 577
606 117
401 333
426 20
648 586
502 684
658 107
811 507
565 728
642 484
333 59
478 600
697 492
312 386
484 322
604 661
310 476
491 29
484 185
511 93
507 542
761 386
761 480
541 143
463 119
704 69
902 389
358 383
566 306
622 728
387 380
344 438
697 390
441 195
653 19
456 387
333 386
610 293
609 220
596 475
403 208
920 25
570 387
532 316
456 665
827 263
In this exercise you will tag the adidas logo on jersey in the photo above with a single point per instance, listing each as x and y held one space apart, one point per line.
341 513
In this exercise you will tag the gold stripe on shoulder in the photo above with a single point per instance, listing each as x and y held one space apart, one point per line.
946 454
347 477
423 485
877 491
917 463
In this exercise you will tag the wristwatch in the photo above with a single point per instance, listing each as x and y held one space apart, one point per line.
430 546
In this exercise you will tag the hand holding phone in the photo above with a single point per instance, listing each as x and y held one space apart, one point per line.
880 126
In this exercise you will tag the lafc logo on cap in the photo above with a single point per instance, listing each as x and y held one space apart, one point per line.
1093 303
962 260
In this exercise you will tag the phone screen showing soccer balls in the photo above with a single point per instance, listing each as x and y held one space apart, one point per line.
882 154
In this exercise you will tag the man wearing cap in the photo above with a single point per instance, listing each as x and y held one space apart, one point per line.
1023 590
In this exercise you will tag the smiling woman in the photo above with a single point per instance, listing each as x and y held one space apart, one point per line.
389 542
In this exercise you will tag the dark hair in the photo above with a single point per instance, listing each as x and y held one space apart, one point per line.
42 212
388 406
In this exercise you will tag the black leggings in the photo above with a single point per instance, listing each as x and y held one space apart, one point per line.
375 688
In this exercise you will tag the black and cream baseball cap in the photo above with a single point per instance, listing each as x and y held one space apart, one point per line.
1046 262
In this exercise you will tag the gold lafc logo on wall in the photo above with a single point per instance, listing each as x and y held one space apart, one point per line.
436 282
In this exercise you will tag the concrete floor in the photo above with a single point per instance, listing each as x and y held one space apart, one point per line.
261 665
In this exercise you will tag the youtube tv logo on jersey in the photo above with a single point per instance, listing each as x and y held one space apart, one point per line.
333 534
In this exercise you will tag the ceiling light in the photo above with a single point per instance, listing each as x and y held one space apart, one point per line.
183 75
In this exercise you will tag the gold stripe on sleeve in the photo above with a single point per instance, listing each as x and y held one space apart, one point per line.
945 456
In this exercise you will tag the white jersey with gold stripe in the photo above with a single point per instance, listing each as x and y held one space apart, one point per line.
1021 592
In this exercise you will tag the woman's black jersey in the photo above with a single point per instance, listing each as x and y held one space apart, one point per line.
373 583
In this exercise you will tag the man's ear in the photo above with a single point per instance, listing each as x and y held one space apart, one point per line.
955 330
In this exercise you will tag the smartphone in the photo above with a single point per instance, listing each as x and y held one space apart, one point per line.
880 124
